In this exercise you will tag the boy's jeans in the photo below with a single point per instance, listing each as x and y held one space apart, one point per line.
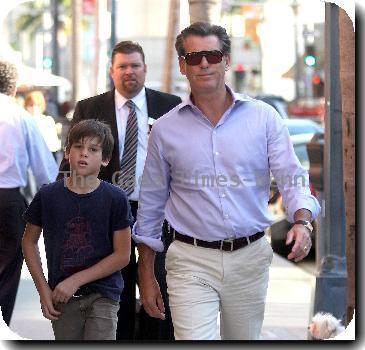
90 317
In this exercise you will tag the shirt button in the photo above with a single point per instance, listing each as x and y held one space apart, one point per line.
223 195
226 216
217 153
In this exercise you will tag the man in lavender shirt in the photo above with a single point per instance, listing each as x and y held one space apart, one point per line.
208 172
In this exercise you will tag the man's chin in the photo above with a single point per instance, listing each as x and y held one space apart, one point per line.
131 87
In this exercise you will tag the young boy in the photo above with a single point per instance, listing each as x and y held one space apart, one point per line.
86 227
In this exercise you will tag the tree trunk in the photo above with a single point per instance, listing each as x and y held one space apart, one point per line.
172 31
205 11
347 76
76 47
97 47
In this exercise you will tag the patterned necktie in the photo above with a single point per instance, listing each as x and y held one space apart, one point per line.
128 164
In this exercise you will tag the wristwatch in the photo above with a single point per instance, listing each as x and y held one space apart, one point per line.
305 223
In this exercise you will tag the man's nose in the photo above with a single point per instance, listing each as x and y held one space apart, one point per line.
129 70
204 62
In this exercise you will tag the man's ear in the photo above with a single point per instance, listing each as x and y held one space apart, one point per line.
182 66
227 61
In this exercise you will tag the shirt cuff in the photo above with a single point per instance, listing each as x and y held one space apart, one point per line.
154 243
310 204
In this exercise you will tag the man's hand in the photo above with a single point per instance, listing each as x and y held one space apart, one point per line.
149 289
303 242
47 306
150 296
64 290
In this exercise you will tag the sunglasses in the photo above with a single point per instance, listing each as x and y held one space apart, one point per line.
194 58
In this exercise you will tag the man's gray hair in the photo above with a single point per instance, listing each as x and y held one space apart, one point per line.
8 77
203 29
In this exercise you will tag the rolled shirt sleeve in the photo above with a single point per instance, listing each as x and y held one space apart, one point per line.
292 179
153 197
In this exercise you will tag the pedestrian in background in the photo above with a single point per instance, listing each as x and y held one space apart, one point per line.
130 110
35 104
86 228
208 172
22 145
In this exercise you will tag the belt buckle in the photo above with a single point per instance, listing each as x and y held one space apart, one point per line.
229 240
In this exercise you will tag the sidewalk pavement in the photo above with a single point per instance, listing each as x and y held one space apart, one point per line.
287 315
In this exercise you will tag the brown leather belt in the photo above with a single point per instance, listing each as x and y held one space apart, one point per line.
229 245
15 189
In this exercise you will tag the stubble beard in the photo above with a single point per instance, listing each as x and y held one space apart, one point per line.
131 87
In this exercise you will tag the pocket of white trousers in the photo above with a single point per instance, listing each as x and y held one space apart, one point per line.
170 255
268 249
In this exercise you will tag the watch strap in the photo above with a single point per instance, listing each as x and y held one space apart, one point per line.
302 222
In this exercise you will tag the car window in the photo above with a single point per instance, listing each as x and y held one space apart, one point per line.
300 150
302 129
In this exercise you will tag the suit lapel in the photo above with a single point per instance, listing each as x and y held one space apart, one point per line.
107 111
151 107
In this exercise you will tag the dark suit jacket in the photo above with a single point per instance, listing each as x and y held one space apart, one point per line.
102 107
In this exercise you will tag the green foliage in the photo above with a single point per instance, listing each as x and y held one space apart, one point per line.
31 19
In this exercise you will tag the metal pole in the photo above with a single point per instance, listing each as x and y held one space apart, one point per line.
55 58
294 6
55 65
331 276
76 50
113 39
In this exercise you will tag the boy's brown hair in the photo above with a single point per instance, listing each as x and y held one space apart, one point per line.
92 128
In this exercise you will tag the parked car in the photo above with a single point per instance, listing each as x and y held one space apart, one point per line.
302 126
301 133
278 102
309 108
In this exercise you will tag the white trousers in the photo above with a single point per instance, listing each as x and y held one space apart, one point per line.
203 281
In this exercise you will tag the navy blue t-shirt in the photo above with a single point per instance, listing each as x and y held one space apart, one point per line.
78 230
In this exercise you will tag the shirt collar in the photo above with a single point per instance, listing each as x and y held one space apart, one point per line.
138 100
236 98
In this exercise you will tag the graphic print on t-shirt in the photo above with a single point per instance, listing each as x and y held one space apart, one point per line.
76 248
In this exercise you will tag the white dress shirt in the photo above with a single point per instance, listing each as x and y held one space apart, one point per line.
22 145
122 112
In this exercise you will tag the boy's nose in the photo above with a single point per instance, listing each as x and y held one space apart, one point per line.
84 152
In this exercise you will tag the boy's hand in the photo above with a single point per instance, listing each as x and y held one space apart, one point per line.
47 306
64 291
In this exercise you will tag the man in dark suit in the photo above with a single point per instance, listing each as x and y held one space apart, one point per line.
128 72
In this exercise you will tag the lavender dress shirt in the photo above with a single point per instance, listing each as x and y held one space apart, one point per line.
213 182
